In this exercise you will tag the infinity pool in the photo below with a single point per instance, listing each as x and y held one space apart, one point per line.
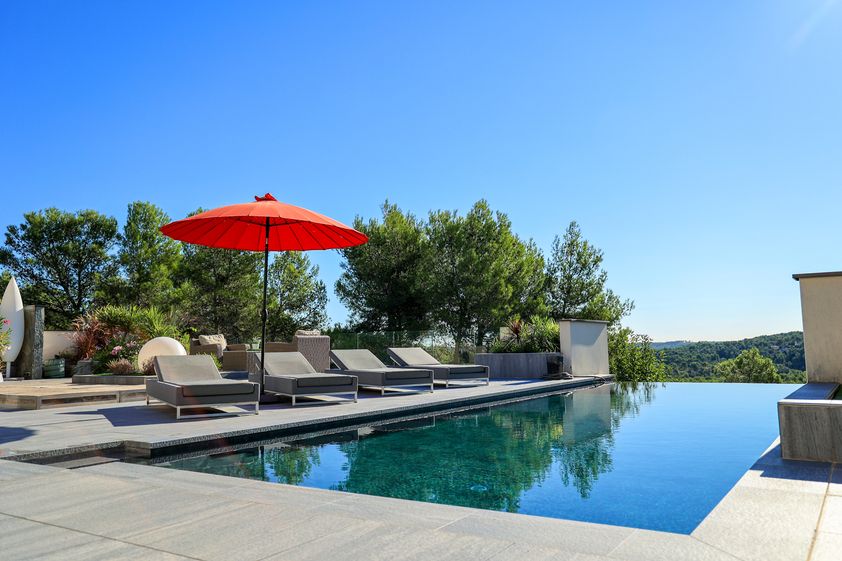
658 457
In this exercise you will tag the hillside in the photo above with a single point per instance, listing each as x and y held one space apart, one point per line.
695 360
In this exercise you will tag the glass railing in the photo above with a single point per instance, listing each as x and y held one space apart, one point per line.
440 345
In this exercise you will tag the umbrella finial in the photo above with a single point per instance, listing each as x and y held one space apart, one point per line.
266 197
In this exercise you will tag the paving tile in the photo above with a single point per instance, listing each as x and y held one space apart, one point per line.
143 511
277 494
580 537
10 470
110 550
386 542
396 511
801 477
827 547
645 545
762 524
165 477
832 516
62 492
21 540
523 552
256 537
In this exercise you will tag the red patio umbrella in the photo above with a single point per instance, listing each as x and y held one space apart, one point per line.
264 225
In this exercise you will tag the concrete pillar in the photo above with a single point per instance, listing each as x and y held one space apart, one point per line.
584 346
30 361
821 314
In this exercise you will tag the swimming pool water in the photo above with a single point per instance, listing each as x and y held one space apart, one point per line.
658 457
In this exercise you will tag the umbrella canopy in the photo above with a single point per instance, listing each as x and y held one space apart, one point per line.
264 225
245 226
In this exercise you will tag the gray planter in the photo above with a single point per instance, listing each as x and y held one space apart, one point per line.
527 366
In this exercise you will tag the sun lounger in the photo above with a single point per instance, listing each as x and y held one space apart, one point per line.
290 374
371 372
416 357
193 382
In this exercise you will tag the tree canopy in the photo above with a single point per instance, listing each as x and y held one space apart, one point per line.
576 281
60 258
385 282
148 259
297 297
748 366
482 272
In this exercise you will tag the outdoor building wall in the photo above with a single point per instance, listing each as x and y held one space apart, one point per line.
821 314
56 342
584 346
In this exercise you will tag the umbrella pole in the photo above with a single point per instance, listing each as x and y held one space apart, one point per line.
264 312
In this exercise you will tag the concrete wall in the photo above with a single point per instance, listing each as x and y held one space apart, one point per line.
584 345
56 342
811 424
821 314
525 366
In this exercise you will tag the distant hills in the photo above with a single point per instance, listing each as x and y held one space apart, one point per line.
669 344
696 360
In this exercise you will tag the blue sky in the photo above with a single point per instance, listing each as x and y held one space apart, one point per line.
698 144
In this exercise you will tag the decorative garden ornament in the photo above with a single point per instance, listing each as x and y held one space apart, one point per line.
11 310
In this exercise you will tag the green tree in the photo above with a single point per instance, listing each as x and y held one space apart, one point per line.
60 258
385 282
631 357
147 258
576 281
221 291
297 297
482 273
749 366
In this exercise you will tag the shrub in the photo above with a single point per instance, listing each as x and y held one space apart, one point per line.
749 367
632 359
121 367
148 368
538 335
5 334
89 335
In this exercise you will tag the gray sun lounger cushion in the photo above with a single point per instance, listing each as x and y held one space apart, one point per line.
215 388
372 372
290 373
193 381
416 357
356 359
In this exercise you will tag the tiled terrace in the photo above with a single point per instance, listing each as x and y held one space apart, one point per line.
778 511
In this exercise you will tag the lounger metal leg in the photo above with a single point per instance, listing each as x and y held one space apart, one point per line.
432 387
382 390
147 399
257 408
446 384
355 397
293 401
177 412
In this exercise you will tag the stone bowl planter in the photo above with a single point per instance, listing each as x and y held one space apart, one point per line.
526 366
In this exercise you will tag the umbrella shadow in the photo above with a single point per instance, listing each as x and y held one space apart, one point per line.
13 434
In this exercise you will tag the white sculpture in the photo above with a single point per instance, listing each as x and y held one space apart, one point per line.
11 309
159 346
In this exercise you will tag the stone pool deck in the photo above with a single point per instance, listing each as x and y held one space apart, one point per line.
142 430
779 510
